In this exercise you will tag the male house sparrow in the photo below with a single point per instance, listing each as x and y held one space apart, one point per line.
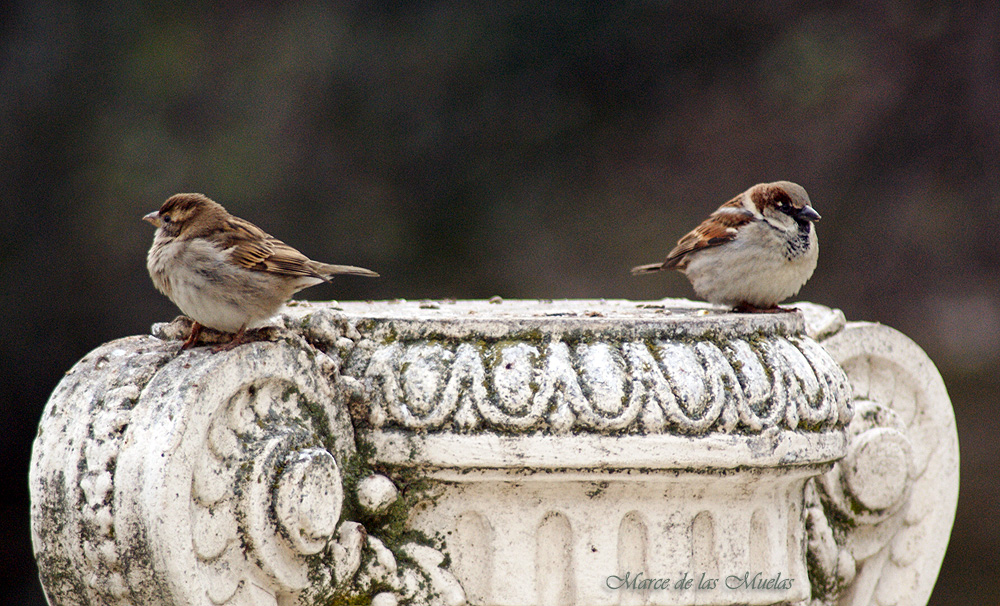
223 272
755 251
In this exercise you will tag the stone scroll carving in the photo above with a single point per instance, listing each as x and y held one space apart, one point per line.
516 453
879 521
196 478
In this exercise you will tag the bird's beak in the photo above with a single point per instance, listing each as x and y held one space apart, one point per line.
807 213
153 217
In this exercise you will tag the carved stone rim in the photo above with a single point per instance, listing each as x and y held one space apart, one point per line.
612 367
606 453
611 318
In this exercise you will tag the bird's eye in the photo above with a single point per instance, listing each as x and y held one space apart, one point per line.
165 218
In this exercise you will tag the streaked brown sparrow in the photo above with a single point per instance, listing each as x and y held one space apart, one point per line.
755 251
224 272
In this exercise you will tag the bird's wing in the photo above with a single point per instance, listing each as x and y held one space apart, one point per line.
721 227
252 248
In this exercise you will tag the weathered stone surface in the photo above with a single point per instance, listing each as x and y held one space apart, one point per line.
892 499
539 450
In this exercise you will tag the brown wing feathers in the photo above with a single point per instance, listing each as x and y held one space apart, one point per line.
256 250
719 228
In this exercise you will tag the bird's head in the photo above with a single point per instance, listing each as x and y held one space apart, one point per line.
181 213
782 200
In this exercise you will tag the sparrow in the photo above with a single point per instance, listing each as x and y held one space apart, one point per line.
755 251
224 272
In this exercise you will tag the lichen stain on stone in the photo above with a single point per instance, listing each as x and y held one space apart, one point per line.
597 489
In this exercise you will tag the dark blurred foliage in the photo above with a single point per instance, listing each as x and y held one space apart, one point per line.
528 149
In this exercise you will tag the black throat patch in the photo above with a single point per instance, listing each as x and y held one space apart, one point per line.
799 243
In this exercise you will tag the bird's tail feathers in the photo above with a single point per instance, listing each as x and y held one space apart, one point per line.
646 269
328 271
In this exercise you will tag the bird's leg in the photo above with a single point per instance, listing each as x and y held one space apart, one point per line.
238 339
190 341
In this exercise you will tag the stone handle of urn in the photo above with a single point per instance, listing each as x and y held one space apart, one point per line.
891 501
193 478
167 477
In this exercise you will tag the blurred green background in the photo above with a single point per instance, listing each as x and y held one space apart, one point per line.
525 149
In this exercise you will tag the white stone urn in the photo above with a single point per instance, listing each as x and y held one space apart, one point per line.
501 453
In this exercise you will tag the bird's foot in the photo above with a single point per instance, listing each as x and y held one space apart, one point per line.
193 337
238 339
